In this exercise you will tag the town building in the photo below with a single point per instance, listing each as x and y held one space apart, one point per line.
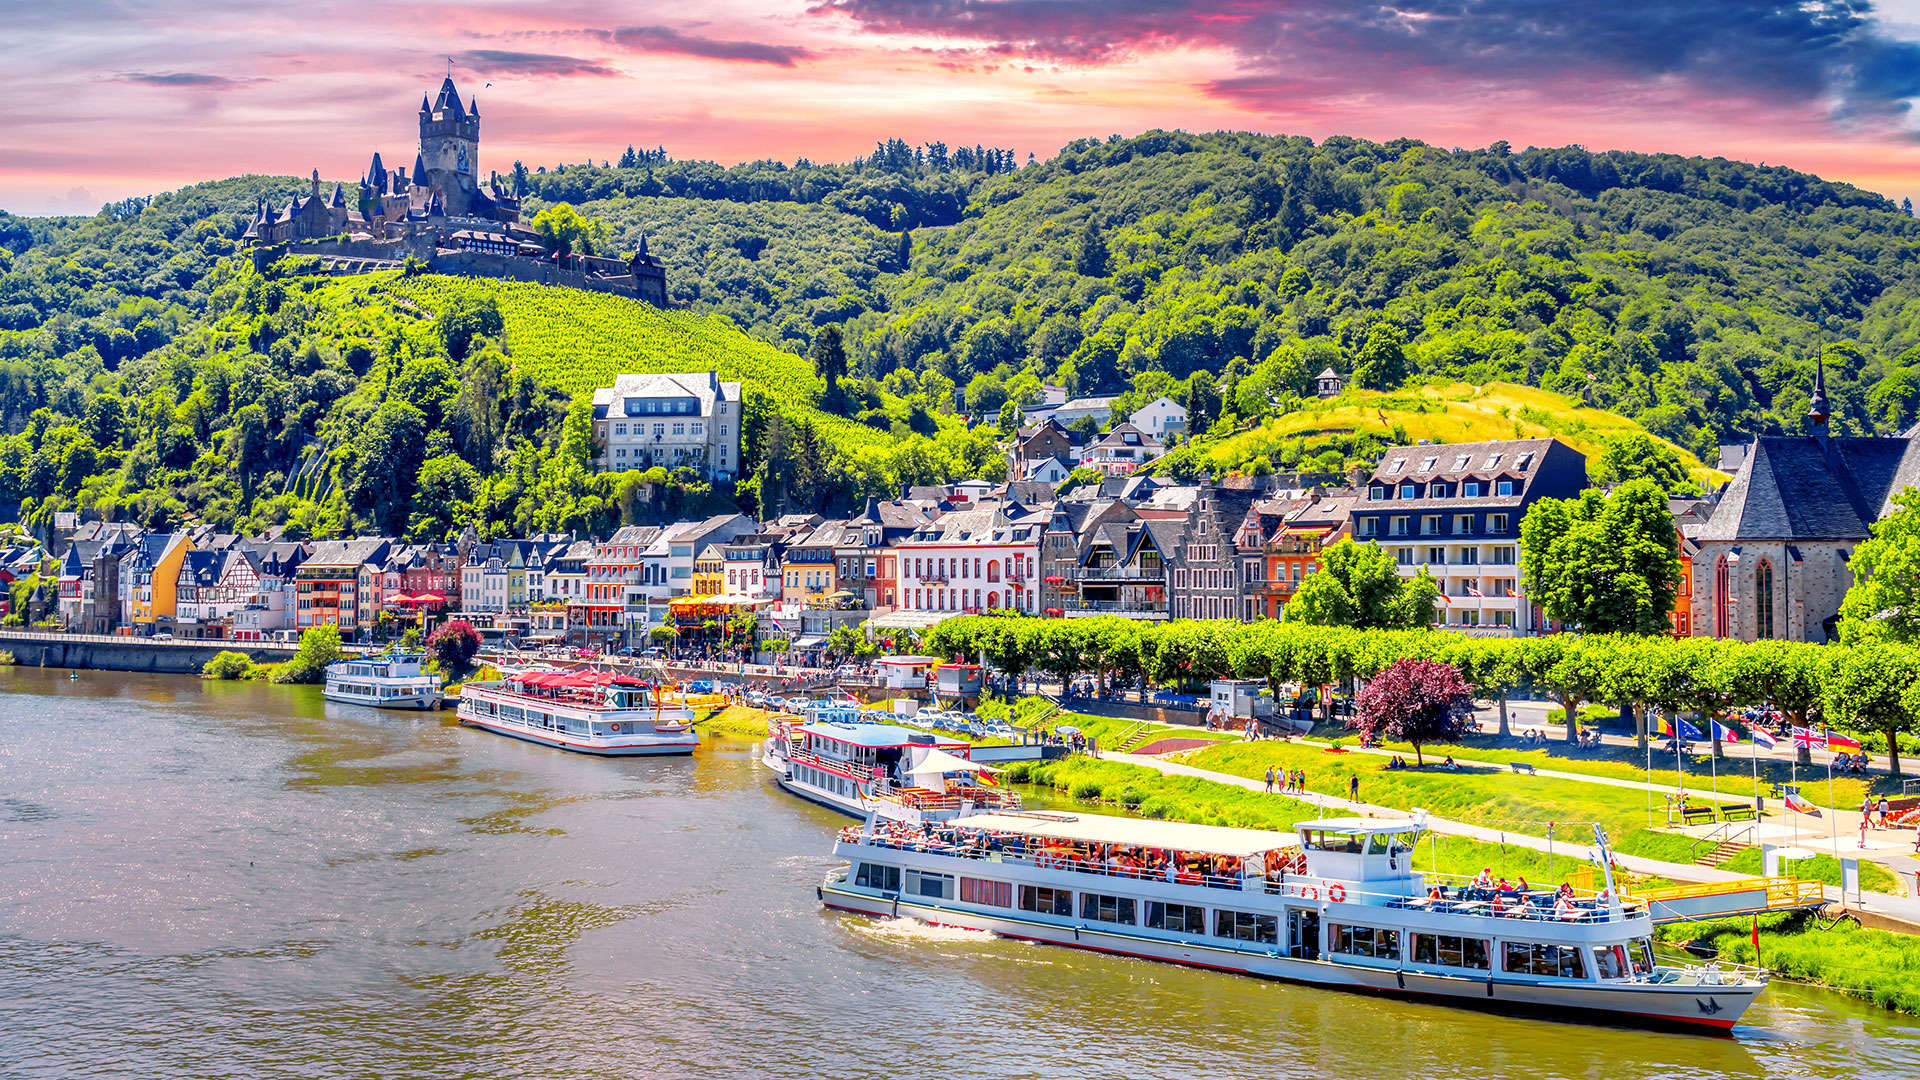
1097 409
980 559
327 584
1773 560
672 421
1162 417
151 572
1213 578
1121 451
1329 383
1455 511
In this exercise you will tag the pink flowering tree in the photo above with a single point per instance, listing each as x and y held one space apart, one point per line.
1415 701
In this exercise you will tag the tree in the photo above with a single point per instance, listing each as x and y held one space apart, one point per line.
1883 604
1415 701
563 231
1873 688
385 464
1789 675
985 394
1358 585
445 486
1090 251
319 646
465 318
829 355
1203 402
454 645
228 664
850 642
1636 455
1009 420
1604 563
1383 359
1571 670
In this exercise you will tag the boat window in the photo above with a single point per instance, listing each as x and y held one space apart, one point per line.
1340 842
1549 961
1377 942
1113 909
878 876
984 892
1046 901
1609 961
1641 952
1445 950
1176 918
1242 926
938 886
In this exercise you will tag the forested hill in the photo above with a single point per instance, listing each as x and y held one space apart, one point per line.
1684 292
1689 295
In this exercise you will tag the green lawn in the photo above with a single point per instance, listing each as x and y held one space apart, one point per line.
1873 965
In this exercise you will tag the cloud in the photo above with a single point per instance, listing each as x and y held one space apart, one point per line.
194 80
1833 54
665 39
532 65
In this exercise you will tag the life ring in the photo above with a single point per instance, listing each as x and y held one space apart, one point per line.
1310 893
615 728
1336 892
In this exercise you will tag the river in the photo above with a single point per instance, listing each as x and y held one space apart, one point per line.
237 880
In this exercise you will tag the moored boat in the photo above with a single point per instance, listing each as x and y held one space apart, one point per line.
864 769
588 712
1334 904
394 680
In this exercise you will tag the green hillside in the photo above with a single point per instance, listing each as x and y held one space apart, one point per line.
1332 434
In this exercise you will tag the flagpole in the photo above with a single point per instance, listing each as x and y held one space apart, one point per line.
1793 784
1836 816
1649 783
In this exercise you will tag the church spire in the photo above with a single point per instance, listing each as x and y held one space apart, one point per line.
1817 411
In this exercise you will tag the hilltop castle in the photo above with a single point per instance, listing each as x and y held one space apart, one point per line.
440 213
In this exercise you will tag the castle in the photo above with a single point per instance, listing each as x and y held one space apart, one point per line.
441 214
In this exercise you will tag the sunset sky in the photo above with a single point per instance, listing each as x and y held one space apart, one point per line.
100 99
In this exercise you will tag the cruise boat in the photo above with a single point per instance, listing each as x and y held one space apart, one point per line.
865 769
1335 904
395 680
589 712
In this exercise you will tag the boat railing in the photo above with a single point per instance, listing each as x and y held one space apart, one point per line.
1037 860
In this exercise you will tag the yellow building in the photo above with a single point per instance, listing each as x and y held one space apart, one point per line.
153 575
808 570
709 572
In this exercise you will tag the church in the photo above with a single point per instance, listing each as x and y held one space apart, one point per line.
442 213
1772 560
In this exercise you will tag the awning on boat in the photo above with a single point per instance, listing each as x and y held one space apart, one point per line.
939 762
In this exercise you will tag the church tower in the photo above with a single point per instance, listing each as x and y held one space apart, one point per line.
449 161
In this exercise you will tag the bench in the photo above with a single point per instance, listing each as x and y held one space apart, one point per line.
1522 767
1737 813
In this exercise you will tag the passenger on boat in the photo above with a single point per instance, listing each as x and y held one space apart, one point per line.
1485 878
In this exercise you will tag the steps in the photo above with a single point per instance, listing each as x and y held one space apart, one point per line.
1133 738
1723 853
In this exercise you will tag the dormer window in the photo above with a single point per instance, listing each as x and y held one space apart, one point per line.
1503 487
1470 489
1493 461
1377 493
1395 465
1427 465
1409 491
1460 462
1521 461
1436 490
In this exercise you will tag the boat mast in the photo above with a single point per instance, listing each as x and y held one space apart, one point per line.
1606 867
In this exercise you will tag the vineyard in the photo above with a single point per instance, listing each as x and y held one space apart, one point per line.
576 340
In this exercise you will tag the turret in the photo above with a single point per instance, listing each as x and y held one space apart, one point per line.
316 184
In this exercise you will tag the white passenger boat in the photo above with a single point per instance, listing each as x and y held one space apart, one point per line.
394 680
590 712
867 769
1336 904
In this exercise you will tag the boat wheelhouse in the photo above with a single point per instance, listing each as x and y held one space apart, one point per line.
589 712
1336 903
395 680
897 773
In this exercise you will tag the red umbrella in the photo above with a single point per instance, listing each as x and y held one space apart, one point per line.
1053 611
431 598
1055 580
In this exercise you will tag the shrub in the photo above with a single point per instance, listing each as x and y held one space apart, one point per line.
228 664
6 658
454 645
1087 789
319 646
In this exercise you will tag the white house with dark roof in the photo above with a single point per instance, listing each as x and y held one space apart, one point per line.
669 420
1121 450
1455 511
1162 416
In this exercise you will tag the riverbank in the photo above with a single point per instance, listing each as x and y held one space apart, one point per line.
111 652
1872 965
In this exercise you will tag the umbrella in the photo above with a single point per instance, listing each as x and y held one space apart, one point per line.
1054 580
430 598
1066 729
1054 611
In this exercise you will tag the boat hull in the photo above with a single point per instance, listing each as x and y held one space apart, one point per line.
1689 1007
655 745
425 699
816 795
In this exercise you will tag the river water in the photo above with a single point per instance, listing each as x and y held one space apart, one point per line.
218 879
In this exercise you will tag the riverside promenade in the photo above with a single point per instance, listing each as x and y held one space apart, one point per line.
1891 912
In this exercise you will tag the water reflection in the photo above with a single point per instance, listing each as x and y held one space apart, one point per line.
243 880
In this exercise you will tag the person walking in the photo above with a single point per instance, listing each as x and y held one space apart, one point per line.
1353 788
1269 779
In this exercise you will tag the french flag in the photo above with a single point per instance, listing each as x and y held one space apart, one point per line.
1725 733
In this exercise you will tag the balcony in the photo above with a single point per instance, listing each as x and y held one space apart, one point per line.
1128 608
1119 573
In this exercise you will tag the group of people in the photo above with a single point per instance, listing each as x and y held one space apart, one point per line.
1119 860
1517 899
1291 781
1850 764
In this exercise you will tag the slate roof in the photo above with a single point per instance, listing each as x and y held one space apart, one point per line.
1800 487
1551 468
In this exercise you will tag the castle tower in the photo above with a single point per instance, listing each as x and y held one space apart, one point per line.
448 164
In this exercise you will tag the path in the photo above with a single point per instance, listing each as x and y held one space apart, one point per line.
1903 908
